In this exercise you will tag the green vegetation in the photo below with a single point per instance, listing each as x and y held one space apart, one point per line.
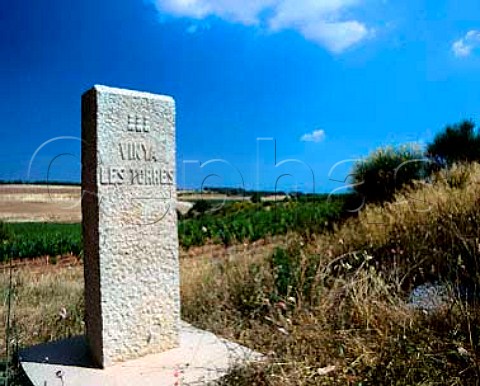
40 239
247 221
240 191
456 143
5 233
256 198
388 170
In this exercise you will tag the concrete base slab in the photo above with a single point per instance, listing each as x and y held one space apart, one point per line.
202 358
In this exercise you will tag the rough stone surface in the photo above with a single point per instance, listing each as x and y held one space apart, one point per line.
129 224
201 359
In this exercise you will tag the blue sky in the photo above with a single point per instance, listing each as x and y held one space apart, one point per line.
255 82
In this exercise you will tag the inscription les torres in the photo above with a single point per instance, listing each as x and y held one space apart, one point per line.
136 151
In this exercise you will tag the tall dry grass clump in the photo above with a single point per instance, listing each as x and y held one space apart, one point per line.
428 233
46 304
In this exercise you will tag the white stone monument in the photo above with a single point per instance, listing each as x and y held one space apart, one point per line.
132 305
132 302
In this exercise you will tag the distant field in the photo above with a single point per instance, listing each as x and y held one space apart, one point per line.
60 203
23 203
210 197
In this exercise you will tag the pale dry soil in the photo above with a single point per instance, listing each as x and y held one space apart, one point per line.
40 203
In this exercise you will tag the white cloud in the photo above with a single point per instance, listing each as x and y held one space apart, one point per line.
243 11
315 136
464 46
336 37
321 21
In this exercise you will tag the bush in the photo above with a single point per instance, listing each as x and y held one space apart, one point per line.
256 198
456 143
286 266
387 170
199 208
294 274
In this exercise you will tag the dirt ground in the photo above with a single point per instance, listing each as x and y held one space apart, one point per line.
19 203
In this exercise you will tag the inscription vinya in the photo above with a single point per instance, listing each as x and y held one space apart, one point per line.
137 151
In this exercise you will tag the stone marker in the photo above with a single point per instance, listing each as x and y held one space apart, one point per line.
132 305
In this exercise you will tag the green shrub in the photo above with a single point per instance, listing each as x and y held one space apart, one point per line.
456 143
256 198
199 208
285 267
294 274
385 171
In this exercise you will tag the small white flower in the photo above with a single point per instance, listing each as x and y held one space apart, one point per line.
347 266
63 313
462 352
325 370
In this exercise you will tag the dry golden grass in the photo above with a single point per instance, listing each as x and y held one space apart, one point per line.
359 330
47 303
342 316
427 233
